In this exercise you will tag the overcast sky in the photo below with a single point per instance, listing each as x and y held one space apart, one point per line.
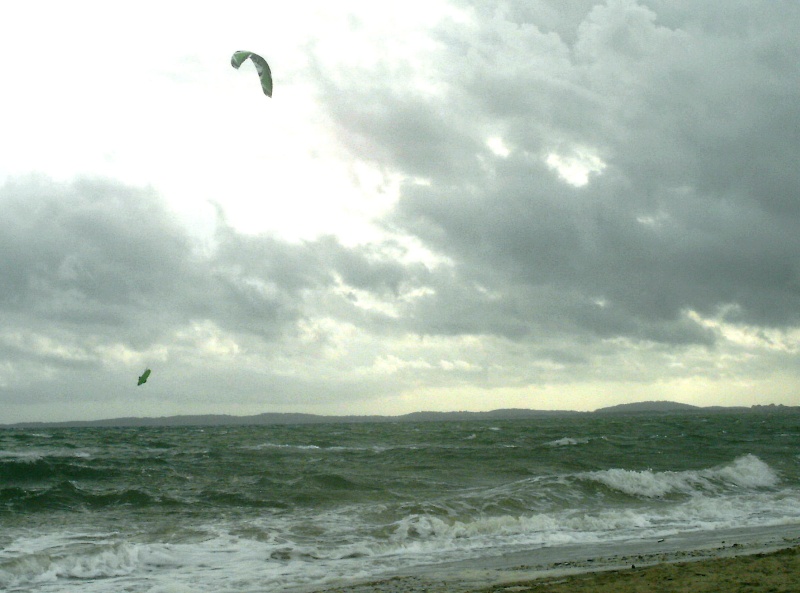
474 204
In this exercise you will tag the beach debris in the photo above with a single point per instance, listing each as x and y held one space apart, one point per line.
143 377
264 73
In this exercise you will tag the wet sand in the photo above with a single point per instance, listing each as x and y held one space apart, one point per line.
738 561
775 572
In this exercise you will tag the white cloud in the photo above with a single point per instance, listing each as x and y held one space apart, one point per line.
575 168
498 147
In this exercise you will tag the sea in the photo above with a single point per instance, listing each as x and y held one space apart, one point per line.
304 507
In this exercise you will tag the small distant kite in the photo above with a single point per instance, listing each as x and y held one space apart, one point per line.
143 378
261 65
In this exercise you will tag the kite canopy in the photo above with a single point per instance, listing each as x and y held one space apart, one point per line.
143 378
261 65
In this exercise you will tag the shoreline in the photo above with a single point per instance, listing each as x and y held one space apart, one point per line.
690 562
766 572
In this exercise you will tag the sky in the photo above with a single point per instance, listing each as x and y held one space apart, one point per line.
446 205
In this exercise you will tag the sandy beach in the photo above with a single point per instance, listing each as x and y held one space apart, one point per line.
752 561
756 573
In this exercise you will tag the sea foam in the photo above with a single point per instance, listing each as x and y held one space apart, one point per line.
745 472
567 442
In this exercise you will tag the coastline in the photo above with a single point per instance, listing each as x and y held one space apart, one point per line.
769 572
762 559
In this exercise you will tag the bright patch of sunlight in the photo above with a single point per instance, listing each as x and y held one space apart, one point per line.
747 336
575 168
653 221
390 364
498 147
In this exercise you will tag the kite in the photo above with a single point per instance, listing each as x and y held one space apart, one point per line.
261 65
143 378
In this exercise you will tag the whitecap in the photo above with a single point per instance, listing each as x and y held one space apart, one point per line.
747 472
567 442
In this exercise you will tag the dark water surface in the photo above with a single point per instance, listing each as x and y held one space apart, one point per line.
269 508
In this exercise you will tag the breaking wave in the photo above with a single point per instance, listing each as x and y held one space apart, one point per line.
747 472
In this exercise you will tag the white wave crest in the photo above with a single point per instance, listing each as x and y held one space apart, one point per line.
435 533
567 442
747 472
87 560
280 446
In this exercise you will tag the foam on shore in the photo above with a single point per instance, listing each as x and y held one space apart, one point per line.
525 570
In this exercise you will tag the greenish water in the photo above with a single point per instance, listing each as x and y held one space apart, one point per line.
270 508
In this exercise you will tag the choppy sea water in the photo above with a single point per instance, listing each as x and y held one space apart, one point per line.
276 508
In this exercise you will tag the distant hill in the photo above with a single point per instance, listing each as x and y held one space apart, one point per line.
649 407
268 419
667 407
507 414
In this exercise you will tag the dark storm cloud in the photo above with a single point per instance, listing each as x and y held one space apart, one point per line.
413 134
685 115
310 265
96 278
93 253
94 262
697 208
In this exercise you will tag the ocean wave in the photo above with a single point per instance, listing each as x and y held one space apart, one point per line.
22 455
68 495
283 550
375 448
435 534
567 442
746 472
534 529
38 468
35 454
275 509
87 560
562 508
280 446
25 468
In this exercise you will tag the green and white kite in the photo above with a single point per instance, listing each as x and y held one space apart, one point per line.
143 378
261 65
